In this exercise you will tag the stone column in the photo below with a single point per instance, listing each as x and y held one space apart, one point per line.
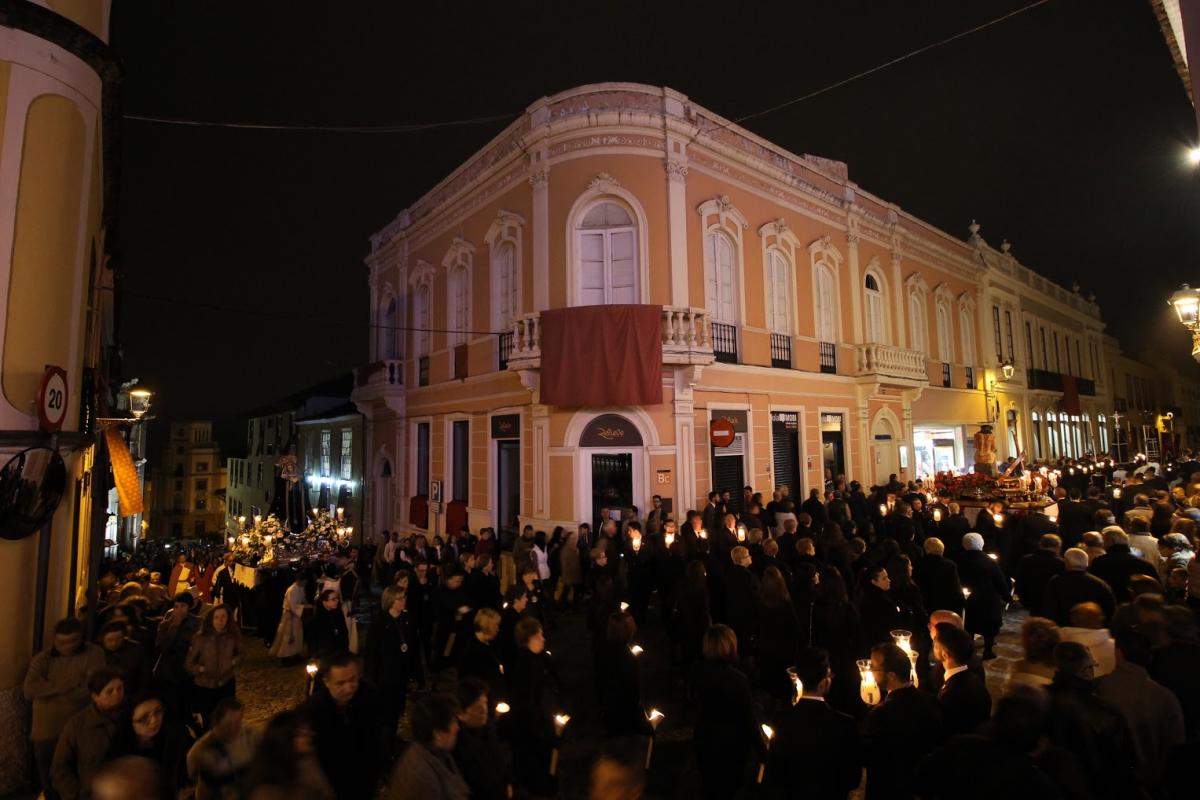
539 179
676 167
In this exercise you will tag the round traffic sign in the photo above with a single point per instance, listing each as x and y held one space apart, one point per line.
721 432
52 399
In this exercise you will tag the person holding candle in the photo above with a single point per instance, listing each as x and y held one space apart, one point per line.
480 756
726 733
692 615
1036 570
900 730
816 752
877 608
778 636
427 770
620 682
937 577
392 657
478 659
529 726
989 592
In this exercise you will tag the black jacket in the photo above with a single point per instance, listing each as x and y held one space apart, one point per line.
880 615
347 741
990 590
479 660
1097 734
1067 590
1117 566
620 692
392 656
966 703
898 733
483 762
1034 573
940 588
726 731
816 753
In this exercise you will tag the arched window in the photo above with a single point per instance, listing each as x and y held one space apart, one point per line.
876 330
779 283
1035 420
825 302
421 321
386 332
1089 441
607 256
1052 433
459 290
721 274
505 278
966 322
1102 426
917 323
945 338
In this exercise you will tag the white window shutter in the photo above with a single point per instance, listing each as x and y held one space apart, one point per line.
624 275
591 269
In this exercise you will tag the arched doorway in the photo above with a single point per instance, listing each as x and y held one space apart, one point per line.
884 441
611 468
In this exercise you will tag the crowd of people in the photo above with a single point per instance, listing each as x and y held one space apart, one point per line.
814 644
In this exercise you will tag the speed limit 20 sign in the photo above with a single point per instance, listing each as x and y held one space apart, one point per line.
52 399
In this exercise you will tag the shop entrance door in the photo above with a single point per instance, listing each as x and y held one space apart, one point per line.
832 445
508 488
785 446
612 485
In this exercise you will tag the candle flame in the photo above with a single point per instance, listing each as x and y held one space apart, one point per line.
768 731
503 707
637 649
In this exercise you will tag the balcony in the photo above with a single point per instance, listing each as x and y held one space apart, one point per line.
1045 380
887 362
381 373
685 339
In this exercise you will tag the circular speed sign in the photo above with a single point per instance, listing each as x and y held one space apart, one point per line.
52 399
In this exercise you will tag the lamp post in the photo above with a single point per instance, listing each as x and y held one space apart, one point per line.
1186 302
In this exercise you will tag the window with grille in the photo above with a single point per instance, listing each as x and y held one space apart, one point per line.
946 374
724 340
828 357
996 332
781 351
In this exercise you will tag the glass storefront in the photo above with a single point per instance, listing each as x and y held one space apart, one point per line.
939 448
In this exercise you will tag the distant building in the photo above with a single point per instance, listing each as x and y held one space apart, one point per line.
332 456
275 430
189 481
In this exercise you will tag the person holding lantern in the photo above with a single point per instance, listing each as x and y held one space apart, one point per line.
900 730
989 590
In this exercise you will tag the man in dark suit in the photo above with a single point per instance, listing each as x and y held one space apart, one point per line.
938 578
1035 571
964 697
1074 586
712 513
741 597
1074 518
1119 564
816 752
953 528
901 730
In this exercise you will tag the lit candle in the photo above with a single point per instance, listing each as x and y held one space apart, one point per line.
1116 492
636 542
637 650
937 515
560 724
624 606
312 669
797 684
903 640
868 690
998 519
1052 518
741 533
257 519
655 717
669 539
502 708
703 533
769 734
231 541
341 513
883 509
993 556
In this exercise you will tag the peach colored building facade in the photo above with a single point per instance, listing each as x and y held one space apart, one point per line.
832 328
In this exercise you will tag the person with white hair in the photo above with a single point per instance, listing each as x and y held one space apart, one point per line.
1119 564
989 591
1076 586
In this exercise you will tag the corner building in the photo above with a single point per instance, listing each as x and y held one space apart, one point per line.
832 329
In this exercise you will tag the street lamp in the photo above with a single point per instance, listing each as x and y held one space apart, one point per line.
1186 302
1006 368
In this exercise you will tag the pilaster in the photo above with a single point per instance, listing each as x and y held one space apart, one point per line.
539 179
676 168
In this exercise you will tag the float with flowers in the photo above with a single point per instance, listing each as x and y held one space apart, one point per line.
268 543
1017 492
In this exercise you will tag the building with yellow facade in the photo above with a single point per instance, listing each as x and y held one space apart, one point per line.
56 97
832 329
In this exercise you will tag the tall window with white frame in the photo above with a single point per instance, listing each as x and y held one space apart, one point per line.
421 473
996 332
386 331
607 256
779 308
917 323
1035 420
460 453
459 290
966 322
945 337
825 309
326 453
721 292
1012 350
347 460
421 338
504 281
875 328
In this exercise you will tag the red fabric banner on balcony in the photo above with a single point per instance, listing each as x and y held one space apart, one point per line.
602 355
1070 399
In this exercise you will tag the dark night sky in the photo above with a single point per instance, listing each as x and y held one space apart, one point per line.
1062 129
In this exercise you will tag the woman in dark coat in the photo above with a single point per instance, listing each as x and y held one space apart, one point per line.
328 633
805 585
726 734
530 728
878 609
391 658
913 615
778 636
692 615
620 683
838 628
144 730
989 591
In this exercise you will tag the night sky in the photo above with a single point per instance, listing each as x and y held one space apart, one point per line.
1062 129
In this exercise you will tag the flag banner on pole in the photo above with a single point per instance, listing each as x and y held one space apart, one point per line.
125 474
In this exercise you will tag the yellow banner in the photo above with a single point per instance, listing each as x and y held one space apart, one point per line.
125 475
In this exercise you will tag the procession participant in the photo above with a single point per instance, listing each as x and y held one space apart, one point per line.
83 744
213 659
288 645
